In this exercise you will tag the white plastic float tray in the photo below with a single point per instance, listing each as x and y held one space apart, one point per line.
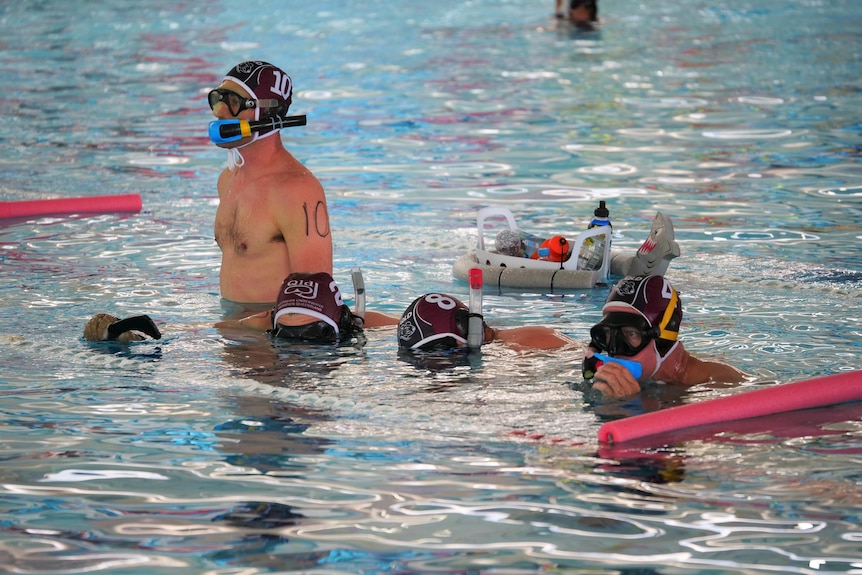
519 272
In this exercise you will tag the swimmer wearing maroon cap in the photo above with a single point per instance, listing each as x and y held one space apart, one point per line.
641 321
272 218
270 93
437 321
316 296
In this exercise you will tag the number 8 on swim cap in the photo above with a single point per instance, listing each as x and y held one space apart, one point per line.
433 321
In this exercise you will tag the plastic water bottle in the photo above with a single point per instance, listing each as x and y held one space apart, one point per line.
518 243
593 250
532 243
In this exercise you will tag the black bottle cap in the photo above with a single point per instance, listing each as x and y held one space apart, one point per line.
602 211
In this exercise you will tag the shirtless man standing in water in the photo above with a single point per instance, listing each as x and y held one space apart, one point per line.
272 218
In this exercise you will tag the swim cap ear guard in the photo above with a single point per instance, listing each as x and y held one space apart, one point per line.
350 323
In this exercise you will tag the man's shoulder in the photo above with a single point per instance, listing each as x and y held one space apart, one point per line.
293 180
285 165
286 189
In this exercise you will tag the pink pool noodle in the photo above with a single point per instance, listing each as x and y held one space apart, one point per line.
85 205
827 390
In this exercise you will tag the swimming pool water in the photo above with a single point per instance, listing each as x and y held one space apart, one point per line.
214 452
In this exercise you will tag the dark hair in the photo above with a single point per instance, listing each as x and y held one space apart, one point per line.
591 5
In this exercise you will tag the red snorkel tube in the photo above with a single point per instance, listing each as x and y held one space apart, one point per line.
475 329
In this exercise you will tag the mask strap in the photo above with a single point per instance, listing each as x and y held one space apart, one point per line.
234 159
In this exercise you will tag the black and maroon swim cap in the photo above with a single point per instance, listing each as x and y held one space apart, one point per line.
433 321
263 81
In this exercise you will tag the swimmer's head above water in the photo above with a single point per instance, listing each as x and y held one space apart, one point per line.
252 91
641 321
582 13
436 321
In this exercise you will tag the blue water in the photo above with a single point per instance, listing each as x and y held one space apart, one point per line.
214 452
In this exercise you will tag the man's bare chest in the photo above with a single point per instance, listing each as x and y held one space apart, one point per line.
245 227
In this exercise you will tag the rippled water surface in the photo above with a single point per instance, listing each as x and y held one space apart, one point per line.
217 452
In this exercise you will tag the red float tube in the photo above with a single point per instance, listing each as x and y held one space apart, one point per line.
85 205
827 390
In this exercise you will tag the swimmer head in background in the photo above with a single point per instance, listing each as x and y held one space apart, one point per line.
264 89
641 321
436 322
583 13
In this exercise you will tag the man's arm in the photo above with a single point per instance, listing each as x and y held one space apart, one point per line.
259 322
304 224
701 371
533 337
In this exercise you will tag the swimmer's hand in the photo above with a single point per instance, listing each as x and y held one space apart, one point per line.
615 380
633 366
590 364
105 327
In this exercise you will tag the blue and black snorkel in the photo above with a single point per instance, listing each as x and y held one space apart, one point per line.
634 367
226 131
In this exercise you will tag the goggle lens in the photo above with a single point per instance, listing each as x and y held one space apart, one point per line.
234 102
618 339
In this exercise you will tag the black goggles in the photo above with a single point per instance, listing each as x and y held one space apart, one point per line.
320 331
622 334
236 103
